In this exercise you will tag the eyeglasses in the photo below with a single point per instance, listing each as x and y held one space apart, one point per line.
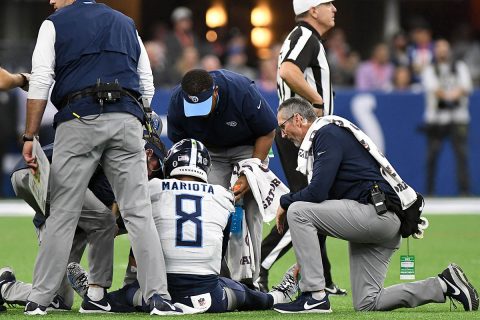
282 126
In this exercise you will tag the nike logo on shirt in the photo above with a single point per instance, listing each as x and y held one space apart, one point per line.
320 153
307 306
104 308
259 105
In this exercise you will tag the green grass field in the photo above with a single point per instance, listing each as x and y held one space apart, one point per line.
452 238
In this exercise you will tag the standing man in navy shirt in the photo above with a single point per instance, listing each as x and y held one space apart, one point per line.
225 111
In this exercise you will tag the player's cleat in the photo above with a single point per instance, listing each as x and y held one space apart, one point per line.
305 303
78 278
6 276
105 305
286 290
34 309
161 307
58 304
333 289
459 288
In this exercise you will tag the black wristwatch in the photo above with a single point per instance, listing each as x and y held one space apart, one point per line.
317 105
26 138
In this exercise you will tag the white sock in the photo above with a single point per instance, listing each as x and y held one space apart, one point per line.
443 284
95 293
318 295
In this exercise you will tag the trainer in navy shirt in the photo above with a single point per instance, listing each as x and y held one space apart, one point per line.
225 111
342 167
239 116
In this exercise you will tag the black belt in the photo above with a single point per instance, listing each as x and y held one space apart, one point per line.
92 92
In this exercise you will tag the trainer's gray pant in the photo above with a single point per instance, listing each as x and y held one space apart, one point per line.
115 141
96 226
223 162
372 241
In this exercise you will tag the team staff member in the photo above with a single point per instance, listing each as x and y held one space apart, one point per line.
96 226
345 175
84 45
13 80
225 111
302 71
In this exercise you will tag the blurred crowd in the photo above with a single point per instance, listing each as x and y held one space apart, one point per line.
396 64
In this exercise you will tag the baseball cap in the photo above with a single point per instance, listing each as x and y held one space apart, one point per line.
300 6
199 105
181 13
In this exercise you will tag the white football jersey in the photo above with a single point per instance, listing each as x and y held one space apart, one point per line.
191 217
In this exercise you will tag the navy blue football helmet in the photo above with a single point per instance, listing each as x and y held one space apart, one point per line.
188 157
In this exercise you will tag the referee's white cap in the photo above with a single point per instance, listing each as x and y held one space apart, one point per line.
300 6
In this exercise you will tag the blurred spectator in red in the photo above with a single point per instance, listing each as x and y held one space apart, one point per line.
210 62
466 48
376 73
398 51
343 62
236 57
420 52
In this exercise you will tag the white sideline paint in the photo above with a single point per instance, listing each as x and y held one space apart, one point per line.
18 208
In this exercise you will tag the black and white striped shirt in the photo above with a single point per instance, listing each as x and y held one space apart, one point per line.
303 46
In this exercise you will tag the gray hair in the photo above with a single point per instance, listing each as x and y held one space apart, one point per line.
297 105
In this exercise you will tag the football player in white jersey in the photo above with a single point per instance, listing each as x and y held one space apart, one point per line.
192 218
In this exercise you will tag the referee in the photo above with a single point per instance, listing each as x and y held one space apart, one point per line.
302 71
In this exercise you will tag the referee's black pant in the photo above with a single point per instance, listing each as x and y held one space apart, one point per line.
272 246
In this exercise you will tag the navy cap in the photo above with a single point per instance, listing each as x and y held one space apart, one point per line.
199 105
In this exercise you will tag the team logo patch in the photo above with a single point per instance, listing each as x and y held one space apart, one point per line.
193 98
201 302
231 123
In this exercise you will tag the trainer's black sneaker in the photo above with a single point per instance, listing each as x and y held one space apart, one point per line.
459 288
161 307
333 289
105 305
305 303
6 276
34 309
58 304
78 278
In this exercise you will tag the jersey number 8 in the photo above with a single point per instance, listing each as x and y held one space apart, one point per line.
189 211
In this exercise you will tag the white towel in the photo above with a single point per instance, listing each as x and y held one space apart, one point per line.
305 157
240 256
266 187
